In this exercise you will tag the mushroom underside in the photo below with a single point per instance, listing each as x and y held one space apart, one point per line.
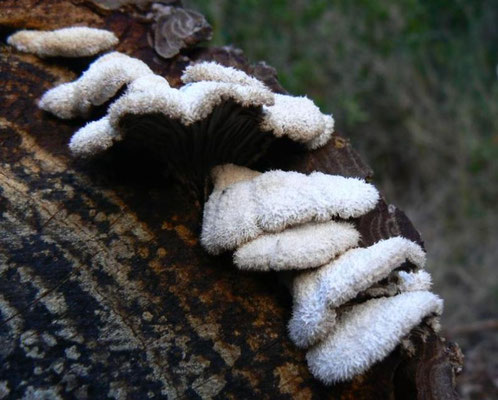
230 134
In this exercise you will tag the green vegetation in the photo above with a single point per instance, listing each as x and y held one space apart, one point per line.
414 84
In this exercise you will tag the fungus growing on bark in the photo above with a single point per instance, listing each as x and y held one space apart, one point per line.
354 305
368 333
276 200
220 115
66 42
74 99
278 251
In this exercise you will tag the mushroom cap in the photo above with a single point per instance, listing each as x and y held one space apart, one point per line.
301 247
368 333
213 72
76 98
95 137
189 104
66 42
221 115
341 280
299 119
276 200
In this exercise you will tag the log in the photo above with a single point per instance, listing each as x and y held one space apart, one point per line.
105 290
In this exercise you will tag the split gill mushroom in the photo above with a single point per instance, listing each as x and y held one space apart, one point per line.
220 115
352 305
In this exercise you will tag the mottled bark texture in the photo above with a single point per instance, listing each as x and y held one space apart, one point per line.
104 288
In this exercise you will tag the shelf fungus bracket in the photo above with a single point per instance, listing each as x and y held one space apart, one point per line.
66 42
220 115
352 306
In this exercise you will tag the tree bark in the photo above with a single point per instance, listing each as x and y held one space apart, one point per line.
104 288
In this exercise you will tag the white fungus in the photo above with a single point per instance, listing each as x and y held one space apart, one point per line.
276 200
207 85
299 119
93 138
151 94
274 220
189 104
317 293
97 85
66 42
304 246
285 220
228 174
414 281
368 333
214 72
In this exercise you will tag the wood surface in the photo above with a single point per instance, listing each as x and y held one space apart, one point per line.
105 291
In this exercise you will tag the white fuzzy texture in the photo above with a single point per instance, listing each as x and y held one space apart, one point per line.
93 138
322 138
190 104
295 117
301 247
212 71
275 220
147 93
97 85
413 281
100 135
319 292
66 42
284 220
276 200
208 85
368 333
299 119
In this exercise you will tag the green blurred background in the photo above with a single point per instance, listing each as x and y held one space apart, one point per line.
414 85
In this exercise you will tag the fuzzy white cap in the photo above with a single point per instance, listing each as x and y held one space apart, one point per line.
66 42
191 103
93 138
100 135
368 333
301 247
414 281
214 72
295 117
208 85
276 200
299 119
324 137
317 293
147 93
97 85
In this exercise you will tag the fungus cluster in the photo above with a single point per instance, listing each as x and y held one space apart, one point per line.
220 115
352 306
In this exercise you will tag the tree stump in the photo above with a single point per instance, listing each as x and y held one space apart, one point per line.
105 290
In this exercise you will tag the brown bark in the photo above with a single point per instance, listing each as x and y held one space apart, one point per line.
104 288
